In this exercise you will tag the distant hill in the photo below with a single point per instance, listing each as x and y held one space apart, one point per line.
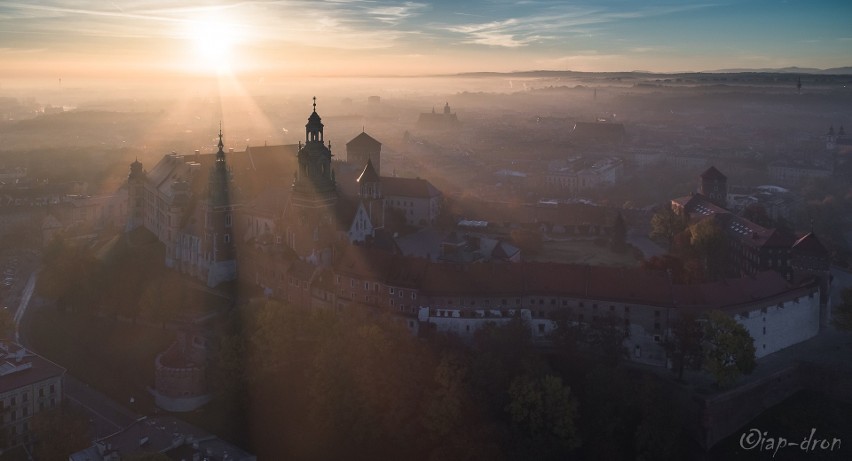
638 73
788 70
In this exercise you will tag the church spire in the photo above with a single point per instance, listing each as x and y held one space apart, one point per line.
220 155
313 129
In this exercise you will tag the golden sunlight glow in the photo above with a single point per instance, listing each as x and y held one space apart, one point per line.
213 41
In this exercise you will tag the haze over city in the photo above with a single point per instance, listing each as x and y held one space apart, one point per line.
486 230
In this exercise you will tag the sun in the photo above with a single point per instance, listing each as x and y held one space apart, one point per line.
212 43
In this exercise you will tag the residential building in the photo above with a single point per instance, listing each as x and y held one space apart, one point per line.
29 384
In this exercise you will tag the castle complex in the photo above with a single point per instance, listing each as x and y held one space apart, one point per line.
315 246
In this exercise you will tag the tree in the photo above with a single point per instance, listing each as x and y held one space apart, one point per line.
842 315
665 224
684 346
7 323
708 241
545 412
618 242
59 432
728 349
604 336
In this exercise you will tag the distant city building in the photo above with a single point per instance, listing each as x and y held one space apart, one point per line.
578 175
29 384
794 173
437 120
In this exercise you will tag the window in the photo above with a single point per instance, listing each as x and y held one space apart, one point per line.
391 290
227 220
656 338
366 286
541 328
656 325
351 283
413 295
227 238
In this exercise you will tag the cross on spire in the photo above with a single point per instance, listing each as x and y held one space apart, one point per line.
315 103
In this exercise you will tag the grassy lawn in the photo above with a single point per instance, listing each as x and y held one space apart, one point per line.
114 357
583 252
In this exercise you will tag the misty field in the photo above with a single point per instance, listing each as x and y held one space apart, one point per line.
583 252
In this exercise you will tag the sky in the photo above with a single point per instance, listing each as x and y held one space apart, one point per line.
160 38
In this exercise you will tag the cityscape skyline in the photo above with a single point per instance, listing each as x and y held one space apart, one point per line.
379 38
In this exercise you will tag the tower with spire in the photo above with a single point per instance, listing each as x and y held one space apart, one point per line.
218 244
314 185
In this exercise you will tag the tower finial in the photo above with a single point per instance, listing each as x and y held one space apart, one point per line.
221 144
315 103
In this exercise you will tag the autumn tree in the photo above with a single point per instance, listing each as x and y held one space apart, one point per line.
707 239
666 224
60 431
728 349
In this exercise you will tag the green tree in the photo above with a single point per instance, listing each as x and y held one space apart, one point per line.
666 224
544 410
728 349
684 345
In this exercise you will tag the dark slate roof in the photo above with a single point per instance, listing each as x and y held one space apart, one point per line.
809 243
714 174
369 173
408 187
363 140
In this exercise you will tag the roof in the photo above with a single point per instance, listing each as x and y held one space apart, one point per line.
369 173
164 434
713 174
363 141
20 367
809 243
408 187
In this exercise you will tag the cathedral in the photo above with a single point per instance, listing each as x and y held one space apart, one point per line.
202 219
